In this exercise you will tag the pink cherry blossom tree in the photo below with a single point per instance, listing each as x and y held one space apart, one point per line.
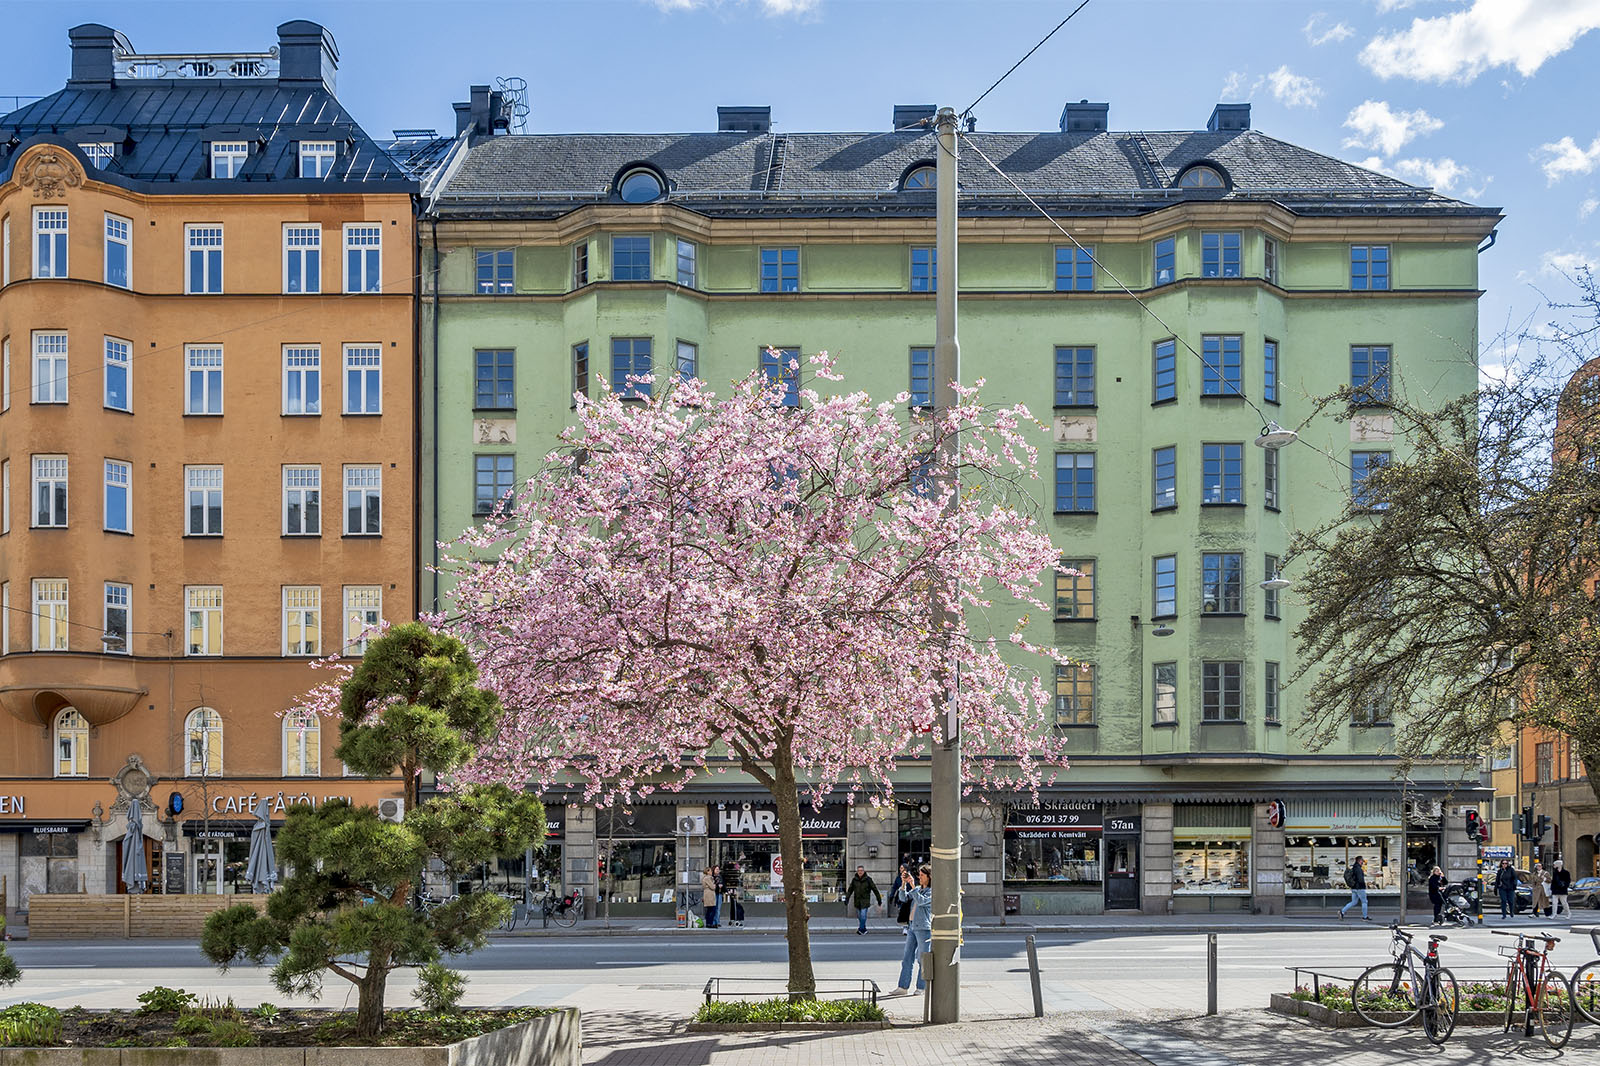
780 580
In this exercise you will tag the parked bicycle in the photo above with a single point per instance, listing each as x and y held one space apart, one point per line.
1394 994
563 910
1537 987
1586 979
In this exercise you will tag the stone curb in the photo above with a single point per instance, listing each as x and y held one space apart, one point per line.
1349 1019
784 1027
969 930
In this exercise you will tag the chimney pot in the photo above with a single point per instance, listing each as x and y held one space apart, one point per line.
1084 117
94 48
1226 118
307 55
911 114
744 119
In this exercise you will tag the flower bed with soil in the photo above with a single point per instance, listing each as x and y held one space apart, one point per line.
1481 1003
770 1014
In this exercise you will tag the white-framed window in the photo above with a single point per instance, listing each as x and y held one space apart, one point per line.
5 250
50 366
302 258
227 158
202 394
302 380
119 374
302 501
5 498
99 153
688 264
49 614
363 500
363 379
203 730
202 501
49 491
72 744
203 607
363 257
5 374
316 158
5 618
49 242
119 609
119 251
119 496
202 268
302 620
363 612
302 744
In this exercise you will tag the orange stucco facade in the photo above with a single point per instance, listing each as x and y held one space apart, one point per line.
136 700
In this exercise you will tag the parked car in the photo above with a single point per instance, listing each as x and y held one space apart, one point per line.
1585 892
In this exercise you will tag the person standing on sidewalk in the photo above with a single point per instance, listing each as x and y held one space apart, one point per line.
1560 885
919 934
1355 878
732 889
1540 884
1436 885
861 893
1505 886
708 895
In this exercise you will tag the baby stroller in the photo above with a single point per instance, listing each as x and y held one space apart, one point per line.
1457 909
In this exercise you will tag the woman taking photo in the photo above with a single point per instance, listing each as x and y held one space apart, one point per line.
919 933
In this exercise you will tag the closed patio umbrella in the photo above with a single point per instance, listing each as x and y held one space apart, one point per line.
262 870
134 873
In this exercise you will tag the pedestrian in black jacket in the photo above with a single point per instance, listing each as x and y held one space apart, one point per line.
1560 885
860 893
1436 884
1505 886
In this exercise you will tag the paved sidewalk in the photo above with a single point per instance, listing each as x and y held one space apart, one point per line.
1087 924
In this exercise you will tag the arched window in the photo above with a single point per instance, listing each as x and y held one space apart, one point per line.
72 744
203 728
919 179
302 744
640 186
1201 177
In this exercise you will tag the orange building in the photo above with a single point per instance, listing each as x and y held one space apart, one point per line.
206 477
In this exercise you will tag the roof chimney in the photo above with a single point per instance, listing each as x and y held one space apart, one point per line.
1226 118
1084 117
744 119
93 48
482 114
307 55
914 116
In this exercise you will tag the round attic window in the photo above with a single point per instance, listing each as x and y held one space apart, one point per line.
920 180
1201 178
640 187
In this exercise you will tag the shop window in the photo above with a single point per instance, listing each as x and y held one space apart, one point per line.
1058 843
203 729
302 744
822 874
72 744
1210 866
1315 865
915 833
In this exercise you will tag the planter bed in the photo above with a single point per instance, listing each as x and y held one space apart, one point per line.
227 1036
1312 1011
785 1027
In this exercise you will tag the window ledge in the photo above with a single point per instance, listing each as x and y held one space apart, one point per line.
118 532
1164 403
1222 721
1077 725
494 410
1090 513
41 528
47 403
300 536
1371 725
202 414
1076 407
1221 614
1275 723
1269 507
1163 725
1224 504
1273 617
116 410
361 536
360 414
1268 399
1060 618
1162 618
1167 508
300 414
1222 396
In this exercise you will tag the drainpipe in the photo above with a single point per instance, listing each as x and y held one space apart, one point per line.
434 535
416 422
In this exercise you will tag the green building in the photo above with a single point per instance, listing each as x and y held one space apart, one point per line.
1265 275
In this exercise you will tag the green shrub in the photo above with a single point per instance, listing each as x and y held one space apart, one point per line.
160 998
233 1034
30 1025
192 1025
439 989
784 1010
267 1012
125 1041
176 1041
217 1010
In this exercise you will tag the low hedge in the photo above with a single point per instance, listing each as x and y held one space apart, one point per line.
785 1010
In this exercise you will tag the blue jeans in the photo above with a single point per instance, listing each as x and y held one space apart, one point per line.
1357 895
917 941
1508 902
861 919
711 916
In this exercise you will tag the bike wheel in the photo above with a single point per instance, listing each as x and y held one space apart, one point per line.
1440 1004
1513 983
566 917
1586 991
1383 996
1555 1009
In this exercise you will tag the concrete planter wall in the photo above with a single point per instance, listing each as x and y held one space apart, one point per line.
1349 1019
551 1040
90 917
786 1027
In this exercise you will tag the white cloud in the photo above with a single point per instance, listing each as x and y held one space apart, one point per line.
1566 157
1522 34
1378 127
1386 6
788 7
1566 263
1372 162
775 8
1588 207
1318 36
1293 90
1233 86
1440 174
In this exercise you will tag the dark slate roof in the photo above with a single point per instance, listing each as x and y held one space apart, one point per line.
418 156
166 124
860 173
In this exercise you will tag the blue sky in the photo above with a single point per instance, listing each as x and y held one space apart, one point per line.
1488 100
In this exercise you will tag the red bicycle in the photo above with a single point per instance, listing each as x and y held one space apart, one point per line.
1536 987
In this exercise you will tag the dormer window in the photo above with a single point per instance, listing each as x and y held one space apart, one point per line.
919 179
1202 177
99 153
227 158
640 186
316 158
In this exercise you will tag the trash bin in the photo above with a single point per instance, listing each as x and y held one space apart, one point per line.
1013 902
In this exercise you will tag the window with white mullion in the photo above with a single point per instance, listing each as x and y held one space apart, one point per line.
302 620
118 251
363 379
50 367
49 491
203 498
302 501
363 500
363 257
363 613
50 614
49 242
119 373
203 606
119 497
228 158
203 389
118 607
203 263
302 380
302 259
316 158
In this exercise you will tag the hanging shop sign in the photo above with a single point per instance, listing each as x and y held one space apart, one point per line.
555 822
748 821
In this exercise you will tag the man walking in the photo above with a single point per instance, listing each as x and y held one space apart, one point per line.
1505 886
1356 879
860 893
1560 885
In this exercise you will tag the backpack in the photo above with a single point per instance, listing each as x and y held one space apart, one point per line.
1350 877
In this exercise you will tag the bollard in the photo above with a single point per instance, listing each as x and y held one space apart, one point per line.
925 970
1211 973
1033 976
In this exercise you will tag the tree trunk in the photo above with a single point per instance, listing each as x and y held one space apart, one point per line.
369 1005
1590 757
802 979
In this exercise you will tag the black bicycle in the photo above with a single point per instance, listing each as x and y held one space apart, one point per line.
563 910
1395 993
1586 979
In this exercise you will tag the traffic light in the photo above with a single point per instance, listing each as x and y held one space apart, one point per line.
1541 827
1477 832
1525 824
